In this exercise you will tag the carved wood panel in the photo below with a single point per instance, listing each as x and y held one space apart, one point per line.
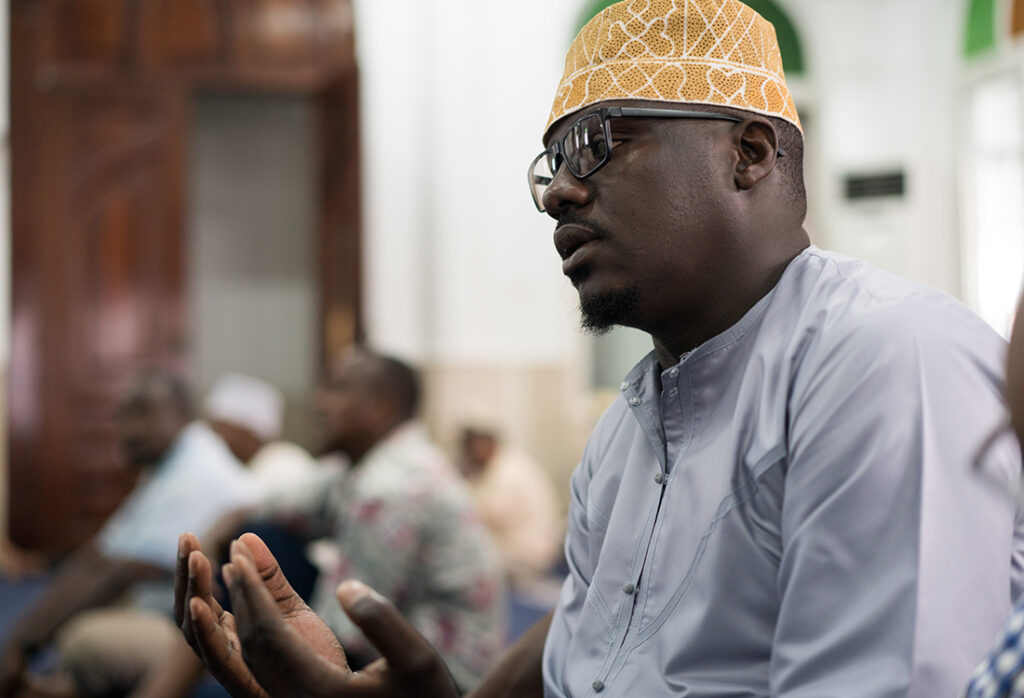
106 268
100 91
175 34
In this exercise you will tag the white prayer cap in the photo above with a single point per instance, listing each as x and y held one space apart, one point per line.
247 402
481 417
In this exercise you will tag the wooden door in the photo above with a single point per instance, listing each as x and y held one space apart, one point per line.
97 294
99 94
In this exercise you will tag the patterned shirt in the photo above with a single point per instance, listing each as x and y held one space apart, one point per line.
1001 673
791 510
401 520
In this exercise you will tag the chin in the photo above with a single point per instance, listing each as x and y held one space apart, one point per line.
603 311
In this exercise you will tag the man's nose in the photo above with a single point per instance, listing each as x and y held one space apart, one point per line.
565 191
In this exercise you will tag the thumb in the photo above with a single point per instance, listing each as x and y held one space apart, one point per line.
408 654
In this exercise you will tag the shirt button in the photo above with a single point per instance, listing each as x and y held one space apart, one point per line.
674 372
628 588
672 392
624 386
634 401
659 478
598 685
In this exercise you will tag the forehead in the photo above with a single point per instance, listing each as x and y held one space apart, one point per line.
350 369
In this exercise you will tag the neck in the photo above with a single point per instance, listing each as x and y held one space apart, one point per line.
677 336
356 452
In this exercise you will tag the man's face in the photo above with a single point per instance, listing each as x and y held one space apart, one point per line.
149 421
343 403
642 238
243 442
478 448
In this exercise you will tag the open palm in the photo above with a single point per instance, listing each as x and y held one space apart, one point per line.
275 645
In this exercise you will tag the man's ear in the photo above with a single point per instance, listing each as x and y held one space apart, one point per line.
757 146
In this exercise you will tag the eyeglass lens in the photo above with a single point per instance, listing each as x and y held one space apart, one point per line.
584 148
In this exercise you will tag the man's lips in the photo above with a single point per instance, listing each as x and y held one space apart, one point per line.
573 242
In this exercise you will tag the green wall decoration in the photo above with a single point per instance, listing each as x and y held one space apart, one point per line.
980 34
785 31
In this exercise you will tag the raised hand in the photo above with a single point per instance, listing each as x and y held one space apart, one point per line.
275 645
207 627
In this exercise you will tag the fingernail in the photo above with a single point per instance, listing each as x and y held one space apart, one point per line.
352 590
233 549
181 546
193 561
227 571
353 587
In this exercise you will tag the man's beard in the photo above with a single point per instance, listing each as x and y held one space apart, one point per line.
601 313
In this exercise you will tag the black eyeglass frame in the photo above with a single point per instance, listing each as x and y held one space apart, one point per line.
557 148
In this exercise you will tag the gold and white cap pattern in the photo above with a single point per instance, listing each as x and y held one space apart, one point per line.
717 52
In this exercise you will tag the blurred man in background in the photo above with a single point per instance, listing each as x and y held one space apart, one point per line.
398 515
515 498
108 606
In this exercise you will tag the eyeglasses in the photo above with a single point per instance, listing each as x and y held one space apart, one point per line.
585 148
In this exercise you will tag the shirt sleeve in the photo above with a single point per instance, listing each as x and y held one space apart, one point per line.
896 549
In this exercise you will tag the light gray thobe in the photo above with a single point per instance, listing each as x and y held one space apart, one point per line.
792 509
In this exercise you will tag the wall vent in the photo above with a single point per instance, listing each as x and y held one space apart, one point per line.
875 185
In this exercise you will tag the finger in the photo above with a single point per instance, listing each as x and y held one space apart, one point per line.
200 586
280 659
218 651
186 544
408 654
252 547
211 639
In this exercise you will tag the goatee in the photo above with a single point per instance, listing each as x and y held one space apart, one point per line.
602 313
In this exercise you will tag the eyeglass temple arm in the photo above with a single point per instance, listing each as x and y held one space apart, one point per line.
640 113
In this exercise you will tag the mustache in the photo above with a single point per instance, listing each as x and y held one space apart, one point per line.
571 218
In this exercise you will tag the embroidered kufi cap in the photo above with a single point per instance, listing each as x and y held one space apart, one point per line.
716 52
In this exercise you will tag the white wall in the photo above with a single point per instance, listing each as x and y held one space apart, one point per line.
884 77
460 266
